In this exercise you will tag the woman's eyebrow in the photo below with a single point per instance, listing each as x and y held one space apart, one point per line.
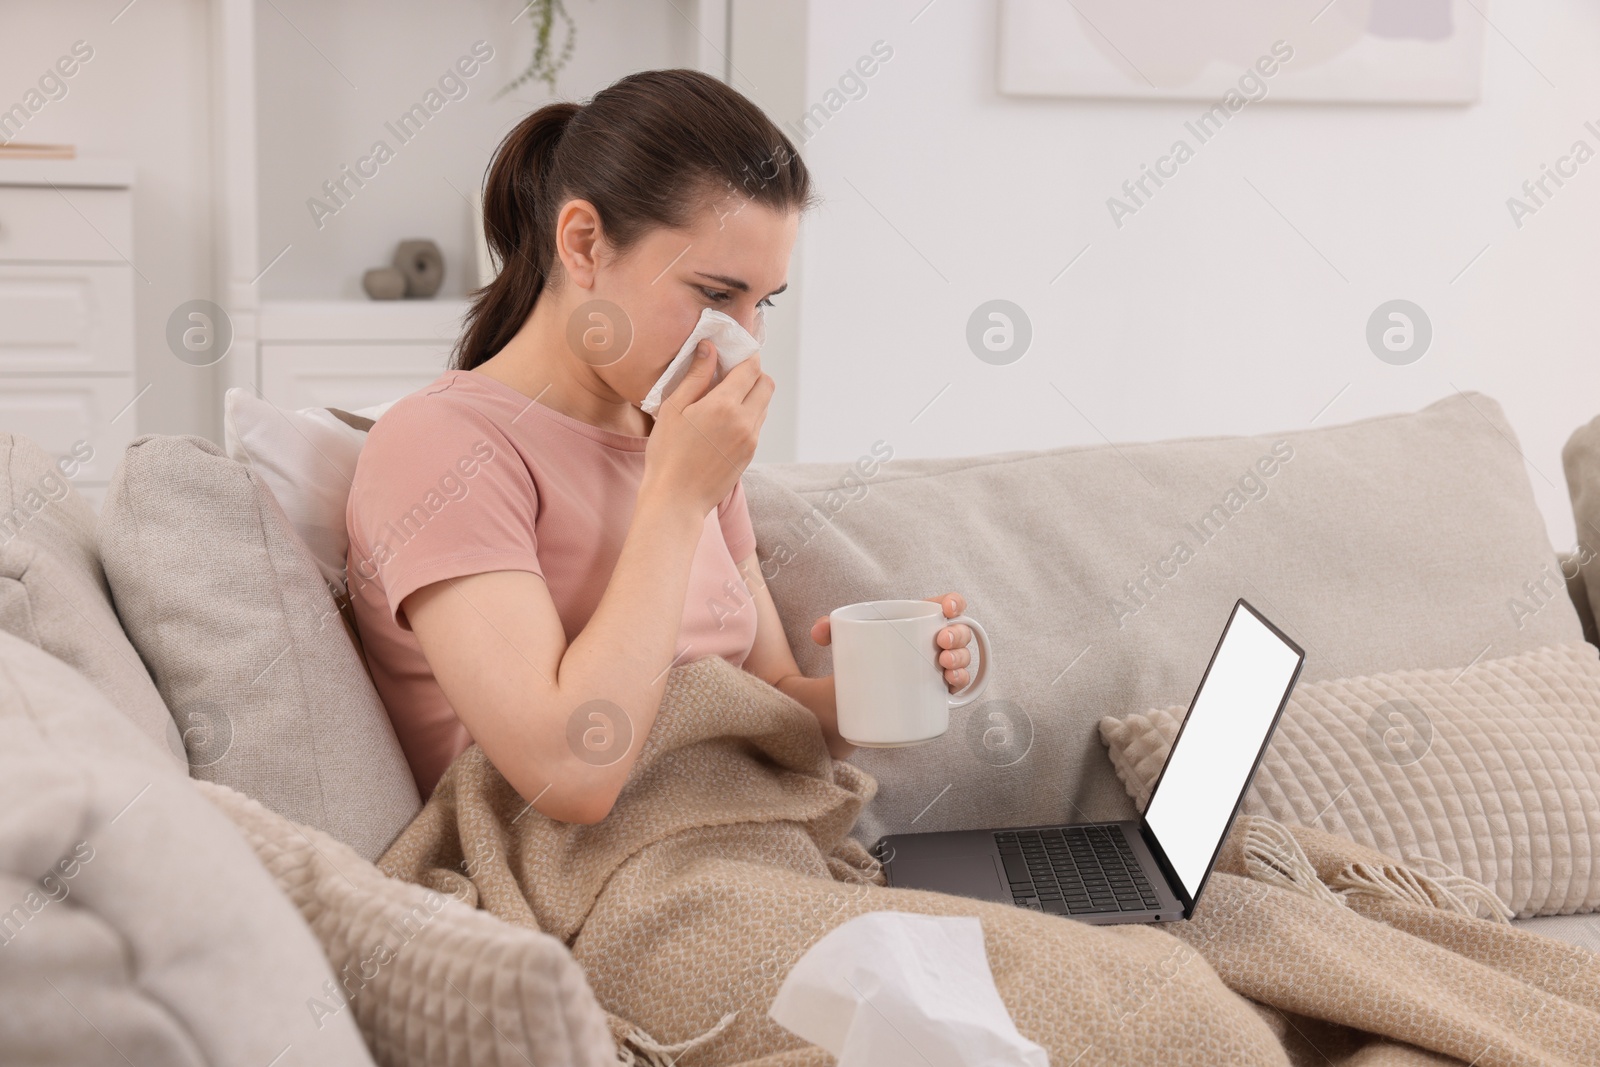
735 283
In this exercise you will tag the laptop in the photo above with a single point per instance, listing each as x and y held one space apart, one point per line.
1147 870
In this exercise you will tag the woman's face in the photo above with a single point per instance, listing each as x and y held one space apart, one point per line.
733 257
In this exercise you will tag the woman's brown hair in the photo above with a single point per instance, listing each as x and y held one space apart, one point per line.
646 151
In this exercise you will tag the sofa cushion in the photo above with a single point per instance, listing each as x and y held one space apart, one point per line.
138 924
1572 570
53 593
1104 576
244 641
1580 459
1580 930
1493 770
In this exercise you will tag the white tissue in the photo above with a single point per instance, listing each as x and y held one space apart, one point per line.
890 988
734 346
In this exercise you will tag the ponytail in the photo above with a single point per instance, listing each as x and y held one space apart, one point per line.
519 177
644 152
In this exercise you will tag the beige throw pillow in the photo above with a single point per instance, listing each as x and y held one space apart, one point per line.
1493 770
243 638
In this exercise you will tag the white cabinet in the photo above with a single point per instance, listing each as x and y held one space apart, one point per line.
66 310
353 354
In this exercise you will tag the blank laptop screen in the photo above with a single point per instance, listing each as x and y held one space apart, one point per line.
1209 766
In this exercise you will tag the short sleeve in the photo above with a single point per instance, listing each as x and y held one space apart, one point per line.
439 492
734 516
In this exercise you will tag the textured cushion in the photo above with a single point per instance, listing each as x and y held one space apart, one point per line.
139 926
307 458
245 644
1580 459
1493 770
431 980
1393 542
53 593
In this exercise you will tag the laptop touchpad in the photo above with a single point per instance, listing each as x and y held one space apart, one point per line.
977 875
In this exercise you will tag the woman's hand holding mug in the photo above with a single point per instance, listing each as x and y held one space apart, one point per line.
895 667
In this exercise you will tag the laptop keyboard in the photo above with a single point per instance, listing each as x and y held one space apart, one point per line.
1074 870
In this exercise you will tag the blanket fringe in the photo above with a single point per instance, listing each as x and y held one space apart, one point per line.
1273 856
1449 892
654 1054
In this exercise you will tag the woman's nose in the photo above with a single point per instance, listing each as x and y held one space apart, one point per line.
753 321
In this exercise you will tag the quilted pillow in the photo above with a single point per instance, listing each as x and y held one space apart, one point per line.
1493 770
427 978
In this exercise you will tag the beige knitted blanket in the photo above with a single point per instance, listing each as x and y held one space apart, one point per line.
727 856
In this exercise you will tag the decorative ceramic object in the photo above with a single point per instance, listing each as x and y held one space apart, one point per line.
384 283
422 264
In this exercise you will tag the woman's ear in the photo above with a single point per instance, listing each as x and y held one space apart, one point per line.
579 241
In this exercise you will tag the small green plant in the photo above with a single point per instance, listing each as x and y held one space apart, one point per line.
543 15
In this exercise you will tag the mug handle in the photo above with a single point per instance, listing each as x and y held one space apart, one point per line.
974 688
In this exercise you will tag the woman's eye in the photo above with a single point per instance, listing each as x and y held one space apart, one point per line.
720 296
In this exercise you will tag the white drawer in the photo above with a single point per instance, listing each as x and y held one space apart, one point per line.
347 376
73 225
56 413
66 318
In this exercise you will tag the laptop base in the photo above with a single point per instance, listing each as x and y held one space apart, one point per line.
1075 871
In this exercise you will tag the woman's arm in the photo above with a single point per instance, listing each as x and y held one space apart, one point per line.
499 652
551 716
772 660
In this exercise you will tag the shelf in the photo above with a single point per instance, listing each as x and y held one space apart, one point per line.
78 173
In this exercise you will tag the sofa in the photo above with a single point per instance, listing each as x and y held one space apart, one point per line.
197 772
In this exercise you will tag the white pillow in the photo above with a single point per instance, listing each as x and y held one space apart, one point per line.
308 459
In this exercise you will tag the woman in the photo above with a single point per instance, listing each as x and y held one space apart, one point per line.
524 540
526 545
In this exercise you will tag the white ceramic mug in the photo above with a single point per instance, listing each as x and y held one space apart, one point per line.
888 685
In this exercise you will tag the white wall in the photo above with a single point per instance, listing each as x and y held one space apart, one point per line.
766 62
1205 313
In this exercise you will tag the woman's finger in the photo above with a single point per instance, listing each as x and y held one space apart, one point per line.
957 636
952 658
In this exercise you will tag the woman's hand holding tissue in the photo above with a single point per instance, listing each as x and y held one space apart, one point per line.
704 437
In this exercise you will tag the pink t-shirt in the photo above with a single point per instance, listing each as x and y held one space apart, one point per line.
469 475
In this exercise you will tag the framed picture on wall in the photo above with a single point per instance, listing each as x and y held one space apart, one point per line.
1382 51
